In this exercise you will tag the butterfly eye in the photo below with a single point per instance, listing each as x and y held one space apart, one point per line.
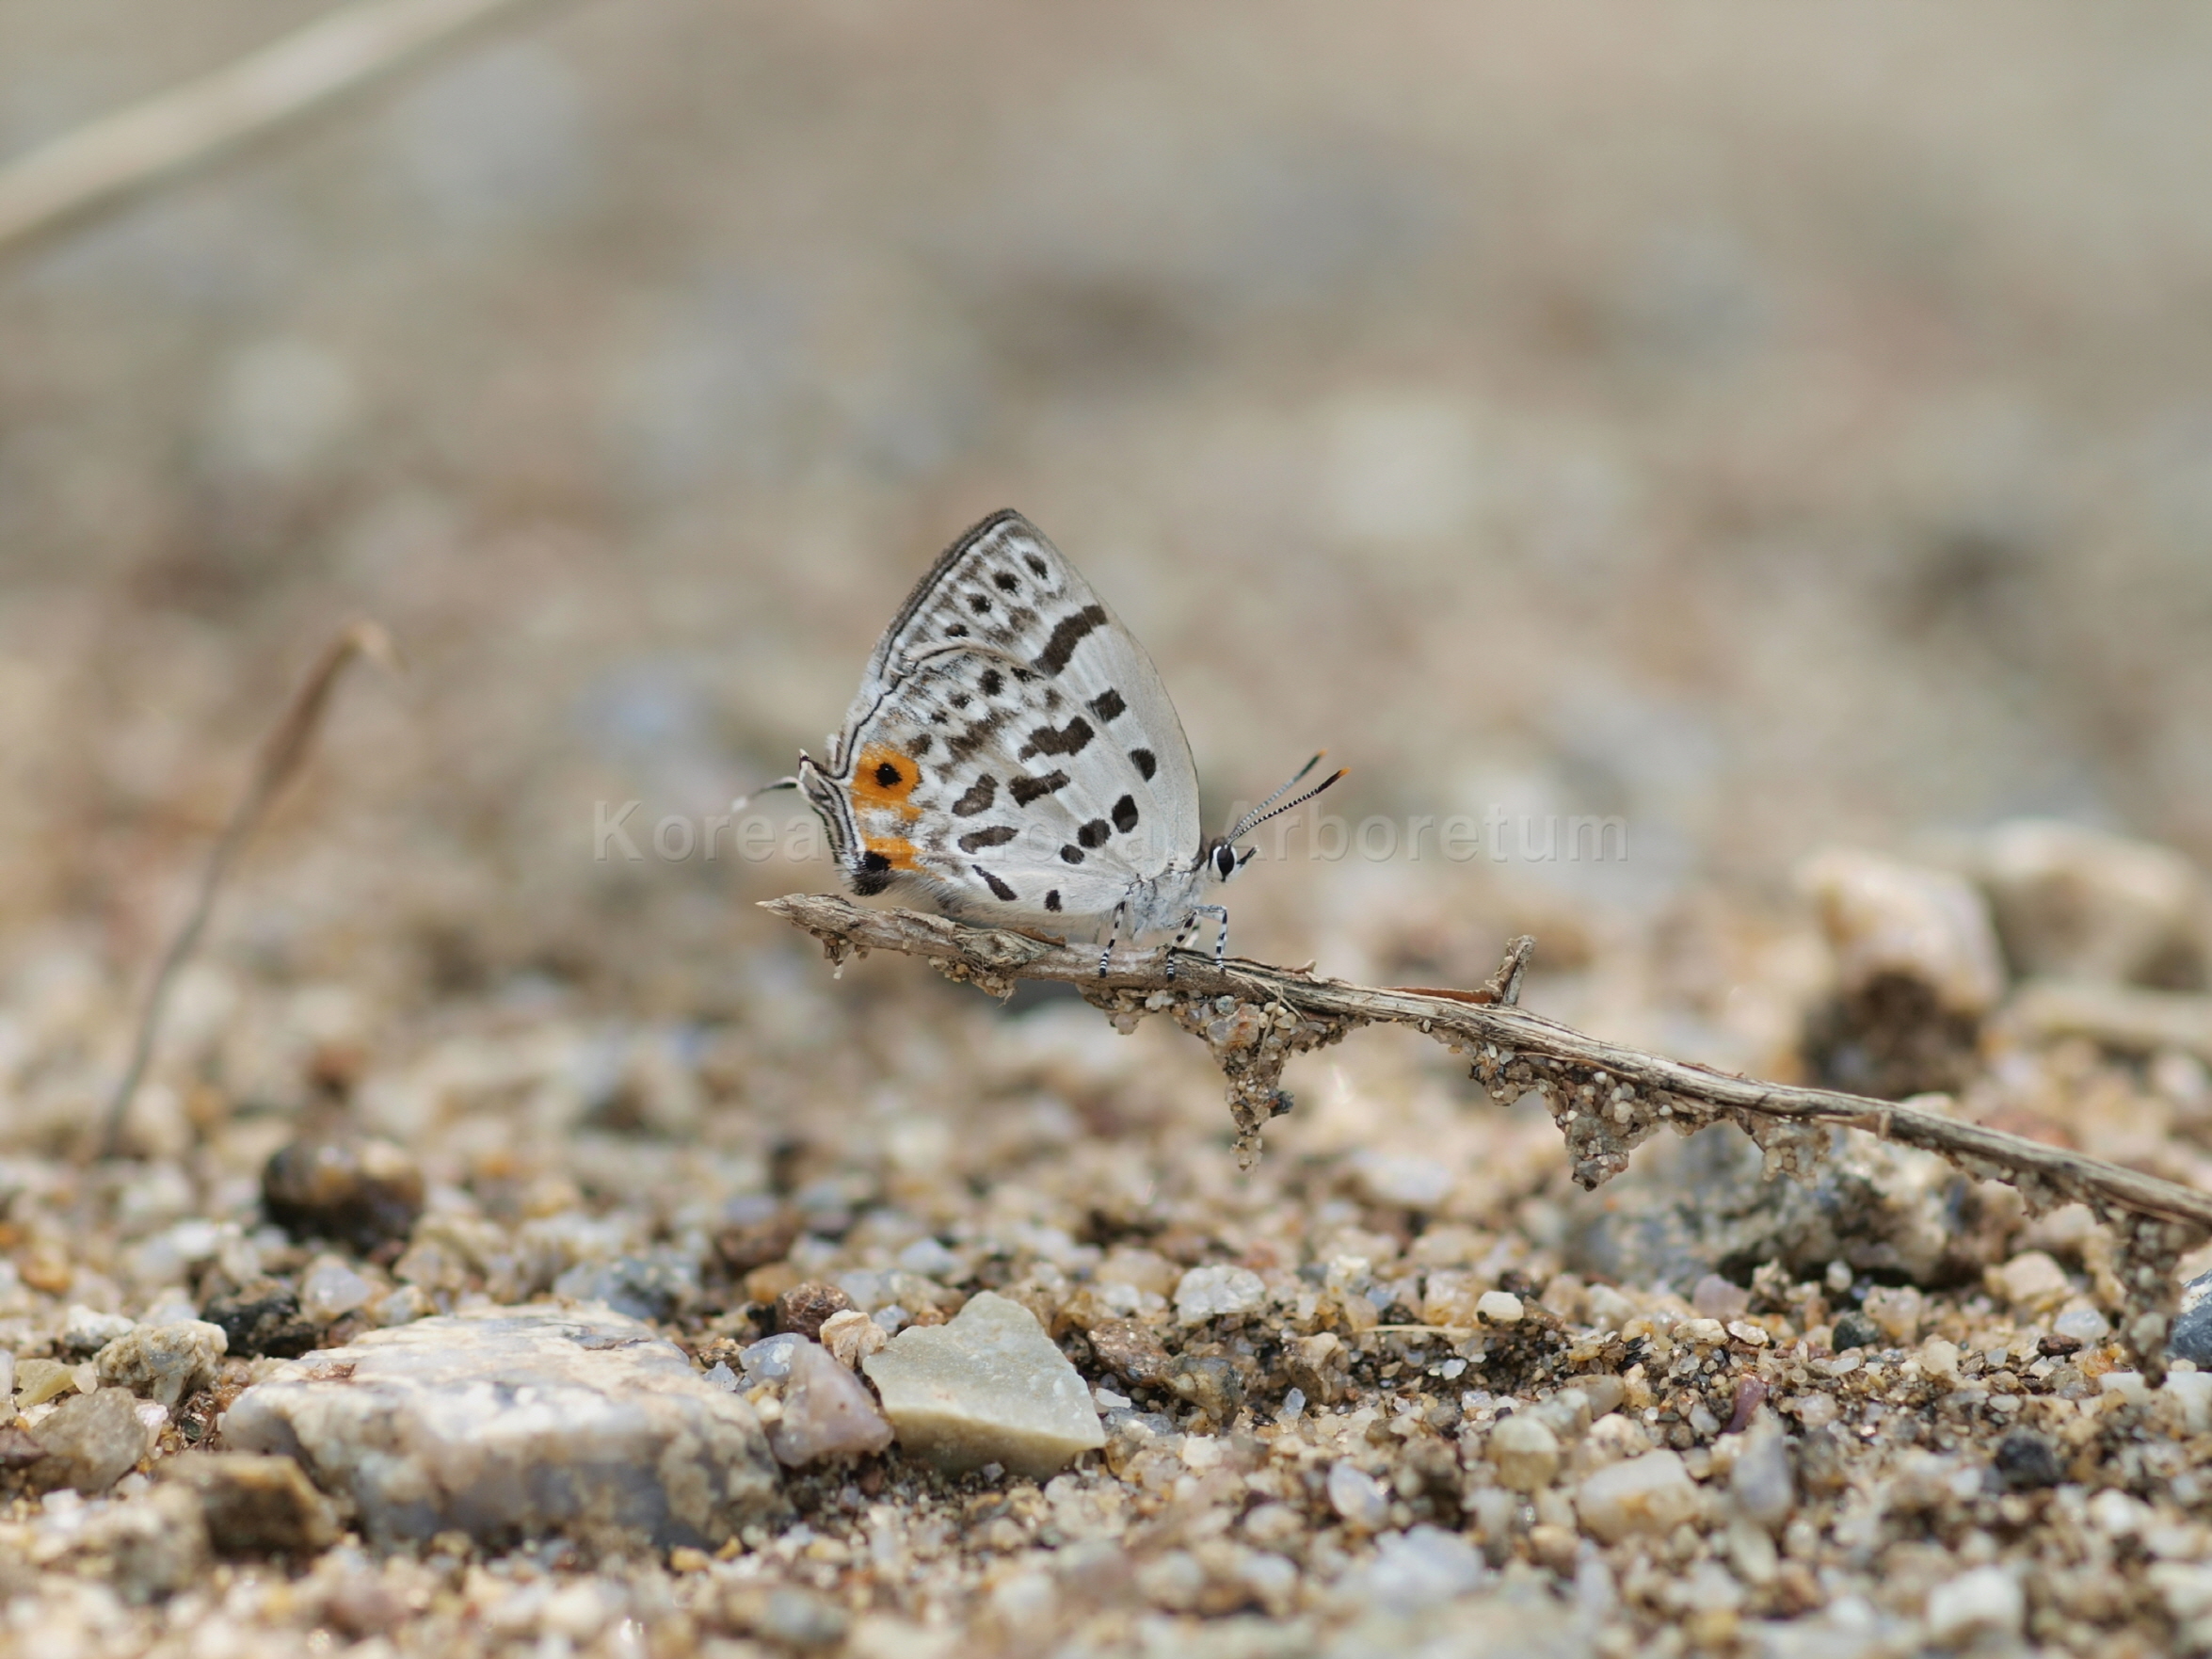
1225 859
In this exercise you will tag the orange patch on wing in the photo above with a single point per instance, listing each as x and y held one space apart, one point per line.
884 778
899 853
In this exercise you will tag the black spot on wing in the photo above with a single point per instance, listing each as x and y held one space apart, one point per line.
998 888
1071 854
1145 761
980 604
1069 739
996 835
959 699
957 631
1037 565
921 745
1093 834
1125 813
1067 634
1007 581
872 875
1025 790
978 797
1053 899
991 682
888 776
1107 705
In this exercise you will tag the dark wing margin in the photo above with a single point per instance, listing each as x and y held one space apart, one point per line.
961 547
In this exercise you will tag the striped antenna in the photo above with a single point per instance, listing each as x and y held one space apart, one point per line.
1266 809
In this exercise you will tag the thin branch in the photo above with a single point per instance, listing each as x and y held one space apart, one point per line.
1607 1099
281 753
117 156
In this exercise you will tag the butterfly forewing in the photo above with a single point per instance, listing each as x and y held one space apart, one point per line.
1011 746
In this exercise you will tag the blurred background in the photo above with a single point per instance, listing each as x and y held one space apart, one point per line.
1773 426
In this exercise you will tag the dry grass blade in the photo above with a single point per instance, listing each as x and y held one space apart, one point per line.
282 751
115 157
1606 1099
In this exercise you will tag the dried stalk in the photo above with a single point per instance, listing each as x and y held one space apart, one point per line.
281 753
117 156
1607 1099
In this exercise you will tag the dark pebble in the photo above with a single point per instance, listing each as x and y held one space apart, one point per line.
2191 1336
804 1307
361 1193
256 1506
262 1320
2026 1461
1855 1330
1130 1351
747 1245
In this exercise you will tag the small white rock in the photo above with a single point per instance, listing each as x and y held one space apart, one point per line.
163 1362
1358 1497
1651 1494
1498 1307
1524 1452
987 1387
1985 1599
1217 1292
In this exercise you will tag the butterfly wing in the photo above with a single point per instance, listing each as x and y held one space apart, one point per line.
1012 748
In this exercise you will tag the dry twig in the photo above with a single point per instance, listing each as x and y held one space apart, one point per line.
120 154
1606 1099
281 753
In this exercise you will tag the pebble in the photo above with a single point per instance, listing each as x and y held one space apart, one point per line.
1525 1453
768 1359
1218 1292
851 1336
1358 1497
1498 1307
155 1545
827 1412
1985 1599
86 1331
262 1320
803 1309
1761 1482
2027 1462
163 1362
1422 1567
358 1191
2191 1336
1651 1494
657 1285
986 1386
39 1380
2031 1282
330 1290
255 1505
1886 918
508 1423
2072 902
89 1442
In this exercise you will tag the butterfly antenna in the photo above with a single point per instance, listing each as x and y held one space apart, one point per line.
743 801
1268 809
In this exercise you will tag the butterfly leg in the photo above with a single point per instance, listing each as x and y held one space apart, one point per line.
1189 925
1221 940
1113 937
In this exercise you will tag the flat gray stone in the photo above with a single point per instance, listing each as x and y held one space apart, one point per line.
514 1423
988 1387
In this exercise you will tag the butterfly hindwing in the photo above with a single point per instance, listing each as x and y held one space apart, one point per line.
1012 747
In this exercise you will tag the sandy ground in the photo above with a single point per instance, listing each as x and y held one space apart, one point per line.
1773 431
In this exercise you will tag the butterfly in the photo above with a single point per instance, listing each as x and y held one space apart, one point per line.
1013 755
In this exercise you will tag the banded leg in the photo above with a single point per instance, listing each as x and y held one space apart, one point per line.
1113 936
1221 940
